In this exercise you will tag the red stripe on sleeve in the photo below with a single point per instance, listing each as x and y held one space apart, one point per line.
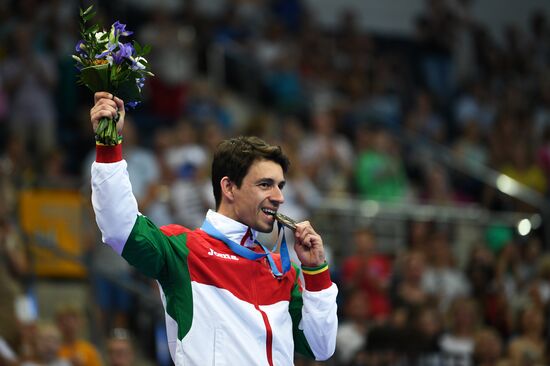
108 154
317 282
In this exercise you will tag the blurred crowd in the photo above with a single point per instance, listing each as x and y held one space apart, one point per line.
361 115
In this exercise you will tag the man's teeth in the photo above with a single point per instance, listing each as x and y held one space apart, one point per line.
268 211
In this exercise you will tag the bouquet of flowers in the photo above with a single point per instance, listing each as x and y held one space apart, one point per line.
106 63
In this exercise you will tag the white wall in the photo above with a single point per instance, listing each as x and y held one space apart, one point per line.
397 16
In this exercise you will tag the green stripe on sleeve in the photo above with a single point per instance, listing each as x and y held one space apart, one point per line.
164 258
295 308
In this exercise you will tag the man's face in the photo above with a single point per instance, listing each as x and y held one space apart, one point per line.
261 190
119 353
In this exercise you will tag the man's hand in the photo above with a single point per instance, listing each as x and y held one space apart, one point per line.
107 105
308 245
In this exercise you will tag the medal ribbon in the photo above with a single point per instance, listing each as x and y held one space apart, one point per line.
244 252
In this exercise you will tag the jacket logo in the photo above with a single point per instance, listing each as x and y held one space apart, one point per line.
221 255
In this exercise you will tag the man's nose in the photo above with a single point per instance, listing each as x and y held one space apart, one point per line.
277 195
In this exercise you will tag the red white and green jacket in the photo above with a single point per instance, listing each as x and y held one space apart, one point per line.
221 309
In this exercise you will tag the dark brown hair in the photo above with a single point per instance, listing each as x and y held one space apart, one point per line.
234 157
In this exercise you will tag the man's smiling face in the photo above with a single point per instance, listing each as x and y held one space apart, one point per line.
259 195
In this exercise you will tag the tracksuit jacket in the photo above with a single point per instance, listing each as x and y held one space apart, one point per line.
221 309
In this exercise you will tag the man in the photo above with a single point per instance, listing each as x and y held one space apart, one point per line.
226 300
78 351
120 351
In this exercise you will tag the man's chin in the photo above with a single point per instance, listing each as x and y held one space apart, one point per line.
264 229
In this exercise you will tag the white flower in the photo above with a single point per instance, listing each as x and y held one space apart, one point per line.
136 63
99 35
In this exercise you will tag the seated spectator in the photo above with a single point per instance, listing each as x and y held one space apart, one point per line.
13 267
352 331
48 344
120 350
488 349
436 187
369 271
457 343
78 351
327 157
442 279
379 171
8 357
407 291
523 168
529 348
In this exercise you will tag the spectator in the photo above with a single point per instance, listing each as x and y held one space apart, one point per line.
424 120
208 104
442 279
120 350
457 342
379 172
529 348
522 167
435 36
327 156
369 271
352 331
488 349
7 354
31 78
437 188
14 266
470 148
187 159
78 351
407 291
48 343
476 104
173 61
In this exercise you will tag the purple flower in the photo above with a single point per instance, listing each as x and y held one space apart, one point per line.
120 29
137 64
110 48
125 51
79 48
140 83
132 104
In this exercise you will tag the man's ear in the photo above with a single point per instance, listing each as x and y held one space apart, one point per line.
227 188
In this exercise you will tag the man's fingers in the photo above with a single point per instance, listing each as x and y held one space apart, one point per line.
106 109
97 115
120 104
99 95
307 240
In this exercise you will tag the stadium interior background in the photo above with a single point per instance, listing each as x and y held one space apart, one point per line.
419 135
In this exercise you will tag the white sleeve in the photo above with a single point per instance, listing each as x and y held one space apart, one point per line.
319 321
114 204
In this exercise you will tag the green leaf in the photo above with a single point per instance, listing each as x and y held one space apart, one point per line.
96 78
137 47
88 16
93 29
127 90
146 49
87 10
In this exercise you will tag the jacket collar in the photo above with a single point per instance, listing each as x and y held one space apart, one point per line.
234 230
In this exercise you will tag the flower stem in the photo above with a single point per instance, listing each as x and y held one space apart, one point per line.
106 132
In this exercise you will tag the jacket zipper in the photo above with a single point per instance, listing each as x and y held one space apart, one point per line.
269 331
